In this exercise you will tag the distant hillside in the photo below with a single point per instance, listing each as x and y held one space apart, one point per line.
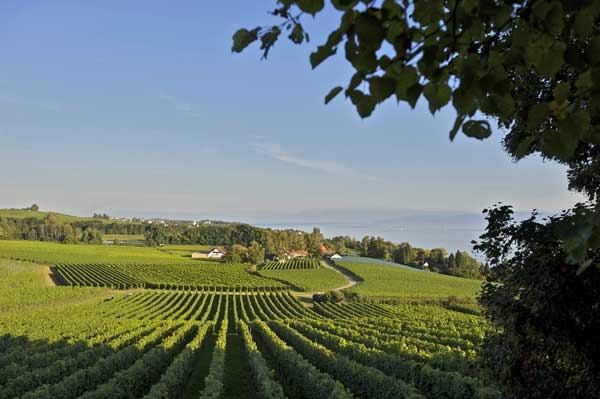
60 217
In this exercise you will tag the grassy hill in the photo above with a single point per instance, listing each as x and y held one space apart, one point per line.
24 284
309 280
60 217
51 253
393 282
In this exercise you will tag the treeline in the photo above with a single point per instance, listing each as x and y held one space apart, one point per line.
49 229
276 242
52 228
459 264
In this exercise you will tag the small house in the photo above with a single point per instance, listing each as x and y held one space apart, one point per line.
215 253
336 256
298 254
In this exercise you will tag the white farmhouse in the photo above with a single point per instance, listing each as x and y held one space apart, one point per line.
215 253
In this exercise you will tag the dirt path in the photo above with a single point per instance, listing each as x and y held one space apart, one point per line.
328 264
46 276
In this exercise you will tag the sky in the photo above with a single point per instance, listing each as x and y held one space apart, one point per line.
140 108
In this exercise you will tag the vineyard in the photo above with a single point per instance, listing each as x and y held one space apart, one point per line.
212 330
173 276
158 343
296 263
384 281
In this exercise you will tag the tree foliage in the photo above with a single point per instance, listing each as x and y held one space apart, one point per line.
256 253
533 66
546 314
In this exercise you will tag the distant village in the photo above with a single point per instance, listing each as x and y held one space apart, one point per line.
220 252
165 222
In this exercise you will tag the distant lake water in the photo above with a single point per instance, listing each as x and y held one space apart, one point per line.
426 235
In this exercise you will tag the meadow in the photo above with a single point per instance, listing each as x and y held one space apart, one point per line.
384 281
51 253
24 284
59 217
123 237
222 332
185 251
310 280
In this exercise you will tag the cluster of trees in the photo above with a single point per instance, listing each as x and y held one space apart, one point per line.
329 296
276 242
237 253
459 264
49 229
54 228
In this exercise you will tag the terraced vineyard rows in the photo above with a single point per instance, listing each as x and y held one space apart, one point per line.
171 276
210 305
178 343
297 263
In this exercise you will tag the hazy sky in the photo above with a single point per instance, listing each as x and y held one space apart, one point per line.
134 107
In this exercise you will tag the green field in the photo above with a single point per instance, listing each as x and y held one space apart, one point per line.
50 253
23 284
310 280
60 217
123 237
392 282
212 330
185 251
188 248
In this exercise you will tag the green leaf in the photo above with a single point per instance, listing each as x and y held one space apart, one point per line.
268 40
477 129
561 91
297 34
407 83
584 24
457 124
583 267
559 144
554 20
322 53
332 93
593 50
438 95
464 101
310 6
356 79
365 105
364 60
344 5
243 38
381 87
369 30
406 76
523 148
413 93
428 11
537 115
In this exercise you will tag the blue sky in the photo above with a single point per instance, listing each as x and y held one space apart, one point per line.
139 107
